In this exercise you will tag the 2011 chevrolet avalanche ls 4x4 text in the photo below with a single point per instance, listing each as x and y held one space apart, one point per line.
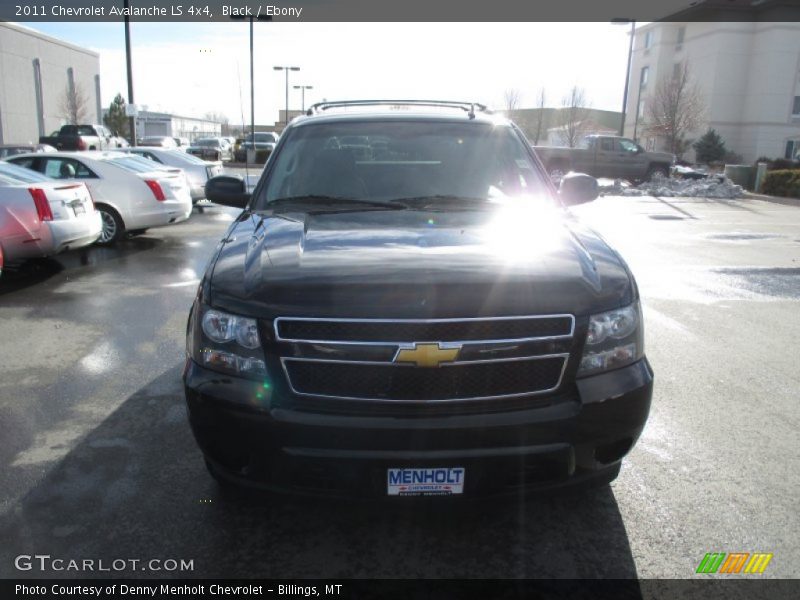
417 315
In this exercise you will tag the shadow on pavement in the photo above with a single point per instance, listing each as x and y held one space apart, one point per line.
39 270
136 487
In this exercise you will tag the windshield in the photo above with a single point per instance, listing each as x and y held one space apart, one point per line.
137 164
15 174
396 160
188 158
263 138
206 142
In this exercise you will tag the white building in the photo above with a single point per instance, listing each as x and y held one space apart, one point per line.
35 72
149 123
748 73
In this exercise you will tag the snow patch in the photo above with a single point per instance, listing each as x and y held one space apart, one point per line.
712 186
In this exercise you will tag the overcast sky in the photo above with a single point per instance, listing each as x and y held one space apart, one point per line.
195 68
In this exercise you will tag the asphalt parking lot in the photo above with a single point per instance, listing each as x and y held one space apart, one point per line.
98 460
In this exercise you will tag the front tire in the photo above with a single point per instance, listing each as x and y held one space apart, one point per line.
659 172
113 226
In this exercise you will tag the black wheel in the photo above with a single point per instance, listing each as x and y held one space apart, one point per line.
657 173
113 227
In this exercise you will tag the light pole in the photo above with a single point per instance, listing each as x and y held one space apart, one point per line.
287 69
303 89
131 120
252 78
627 72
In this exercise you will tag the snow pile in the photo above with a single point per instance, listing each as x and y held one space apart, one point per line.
716 186
688 172
613 187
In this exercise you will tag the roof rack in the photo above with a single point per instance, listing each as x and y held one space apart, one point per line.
468 107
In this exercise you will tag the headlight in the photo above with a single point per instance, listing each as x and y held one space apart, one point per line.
227 343
614 339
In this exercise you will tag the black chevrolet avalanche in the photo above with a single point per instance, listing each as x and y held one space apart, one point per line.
406 307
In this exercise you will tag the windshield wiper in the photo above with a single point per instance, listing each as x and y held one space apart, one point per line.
336 201
443 199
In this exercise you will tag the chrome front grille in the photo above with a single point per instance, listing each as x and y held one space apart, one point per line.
500 357
397 331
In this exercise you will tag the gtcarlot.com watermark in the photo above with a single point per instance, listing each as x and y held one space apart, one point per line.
46 563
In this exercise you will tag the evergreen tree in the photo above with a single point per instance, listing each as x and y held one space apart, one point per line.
710 147
115 118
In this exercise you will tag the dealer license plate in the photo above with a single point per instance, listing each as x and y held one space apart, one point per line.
440 481
79 208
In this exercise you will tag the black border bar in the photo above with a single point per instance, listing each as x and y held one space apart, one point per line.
204 11
420 589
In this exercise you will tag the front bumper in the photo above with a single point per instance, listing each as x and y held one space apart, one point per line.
252 437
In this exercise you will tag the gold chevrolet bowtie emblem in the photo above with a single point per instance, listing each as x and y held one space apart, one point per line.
426 355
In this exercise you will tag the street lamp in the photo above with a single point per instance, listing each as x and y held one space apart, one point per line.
621 21
132 119
252 85
303 89
287 69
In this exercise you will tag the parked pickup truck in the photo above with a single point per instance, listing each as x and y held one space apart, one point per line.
84 137
607 156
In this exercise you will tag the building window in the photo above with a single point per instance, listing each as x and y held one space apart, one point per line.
681 35
640 111
792 149
37 86
676 70
648 40
796 107
645 76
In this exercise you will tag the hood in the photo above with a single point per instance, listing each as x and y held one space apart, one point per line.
416 264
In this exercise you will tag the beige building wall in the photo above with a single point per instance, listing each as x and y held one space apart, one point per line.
21 114
748 73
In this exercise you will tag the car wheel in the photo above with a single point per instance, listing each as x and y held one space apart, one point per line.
134 232
113 227
657 173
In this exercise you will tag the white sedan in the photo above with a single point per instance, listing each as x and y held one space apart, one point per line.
42 217
131 193
197 170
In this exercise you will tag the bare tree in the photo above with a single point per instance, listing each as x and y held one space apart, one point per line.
74 104
574 116
675 109
511 99
540 124
222 119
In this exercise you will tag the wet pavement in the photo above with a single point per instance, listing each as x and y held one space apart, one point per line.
98 460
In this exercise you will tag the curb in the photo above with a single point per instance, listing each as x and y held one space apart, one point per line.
773 199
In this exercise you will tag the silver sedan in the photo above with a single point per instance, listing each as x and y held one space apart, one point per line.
197 170
40 216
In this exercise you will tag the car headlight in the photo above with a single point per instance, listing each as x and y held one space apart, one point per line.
226 343
614 339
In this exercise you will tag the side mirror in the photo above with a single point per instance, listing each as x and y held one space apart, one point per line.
228 190
578 188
